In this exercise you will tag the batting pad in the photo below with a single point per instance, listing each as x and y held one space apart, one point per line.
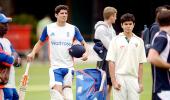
68 94
55 95
88 83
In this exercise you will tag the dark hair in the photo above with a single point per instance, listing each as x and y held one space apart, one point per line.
127 17
159 9
167 7
61 7
163 18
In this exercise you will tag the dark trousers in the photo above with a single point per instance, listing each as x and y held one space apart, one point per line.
155 96
105 66
10 94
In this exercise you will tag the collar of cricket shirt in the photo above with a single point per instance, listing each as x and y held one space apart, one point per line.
128 40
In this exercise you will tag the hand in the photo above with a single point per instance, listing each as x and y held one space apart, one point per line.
140 88
17 62
116 85
17 59
30 57
85 56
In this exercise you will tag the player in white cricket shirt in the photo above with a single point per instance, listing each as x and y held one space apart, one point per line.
9 90
60 36
126 55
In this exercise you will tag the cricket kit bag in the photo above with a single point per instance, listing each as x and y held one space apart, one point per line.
91 84
6 62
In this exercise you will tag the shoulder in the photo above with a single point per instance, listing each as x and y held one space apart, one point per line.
155 24
6 40
102 28
162 34
118 37
115 38
51 25
114 30
100 31
161 37
68 25
139 39
72 28
154 27
160 41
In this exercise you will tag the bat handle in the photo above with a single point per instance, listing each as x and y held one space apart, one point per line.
27 68
102 81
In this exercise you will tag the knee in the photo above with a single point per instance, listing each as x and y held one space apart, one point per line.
55 95
68 78
57 88
109 88
67 93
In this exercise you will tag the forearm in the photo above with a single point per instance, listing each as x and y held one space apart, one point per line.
6 58
112 71
37 47
159 62
155 59
85 46
15 55
140 73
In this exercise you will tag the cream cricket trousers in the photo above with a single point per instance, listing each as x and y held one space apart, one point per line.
129 88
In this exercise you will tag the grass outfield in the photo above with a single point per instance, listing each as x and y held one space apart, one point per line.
38 81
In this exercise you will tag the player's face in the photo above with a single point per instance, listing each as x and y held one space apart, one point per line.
128 26
62 16
112 18
3 29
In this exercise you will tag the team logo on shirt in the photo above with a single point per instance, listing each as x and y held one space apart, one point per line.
122 46
61 43
52 34
136 45
68 34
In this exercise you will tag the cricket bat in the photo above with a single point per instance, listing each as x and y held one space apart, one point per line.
24 83
102 81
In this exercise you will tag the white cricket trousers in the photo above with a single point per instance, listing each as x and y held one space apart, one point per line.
129 88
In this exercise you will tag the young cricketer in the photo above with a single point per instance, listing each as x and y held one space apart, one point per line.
126 56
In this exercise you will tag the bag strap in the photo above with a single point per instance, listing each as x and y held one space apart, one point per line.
1 46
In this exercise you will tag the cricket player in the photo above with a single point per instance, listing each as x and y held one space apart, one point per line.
126 55
155 26
159 56
104 32
149 32
9 90
60 36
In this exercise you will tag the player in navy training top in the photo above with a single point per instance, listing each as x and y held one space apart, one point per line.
159 56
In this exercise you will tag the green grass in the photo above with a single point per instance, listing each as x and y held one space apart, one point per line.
38 88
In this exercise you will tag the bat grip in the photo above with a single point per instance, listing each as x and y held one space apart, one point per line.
27 68
102 81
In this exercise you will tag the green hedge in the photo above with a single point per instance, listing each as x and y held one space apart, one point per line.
23 19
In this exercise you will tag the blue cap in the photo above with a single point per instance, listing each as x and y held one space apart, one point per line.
4 19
